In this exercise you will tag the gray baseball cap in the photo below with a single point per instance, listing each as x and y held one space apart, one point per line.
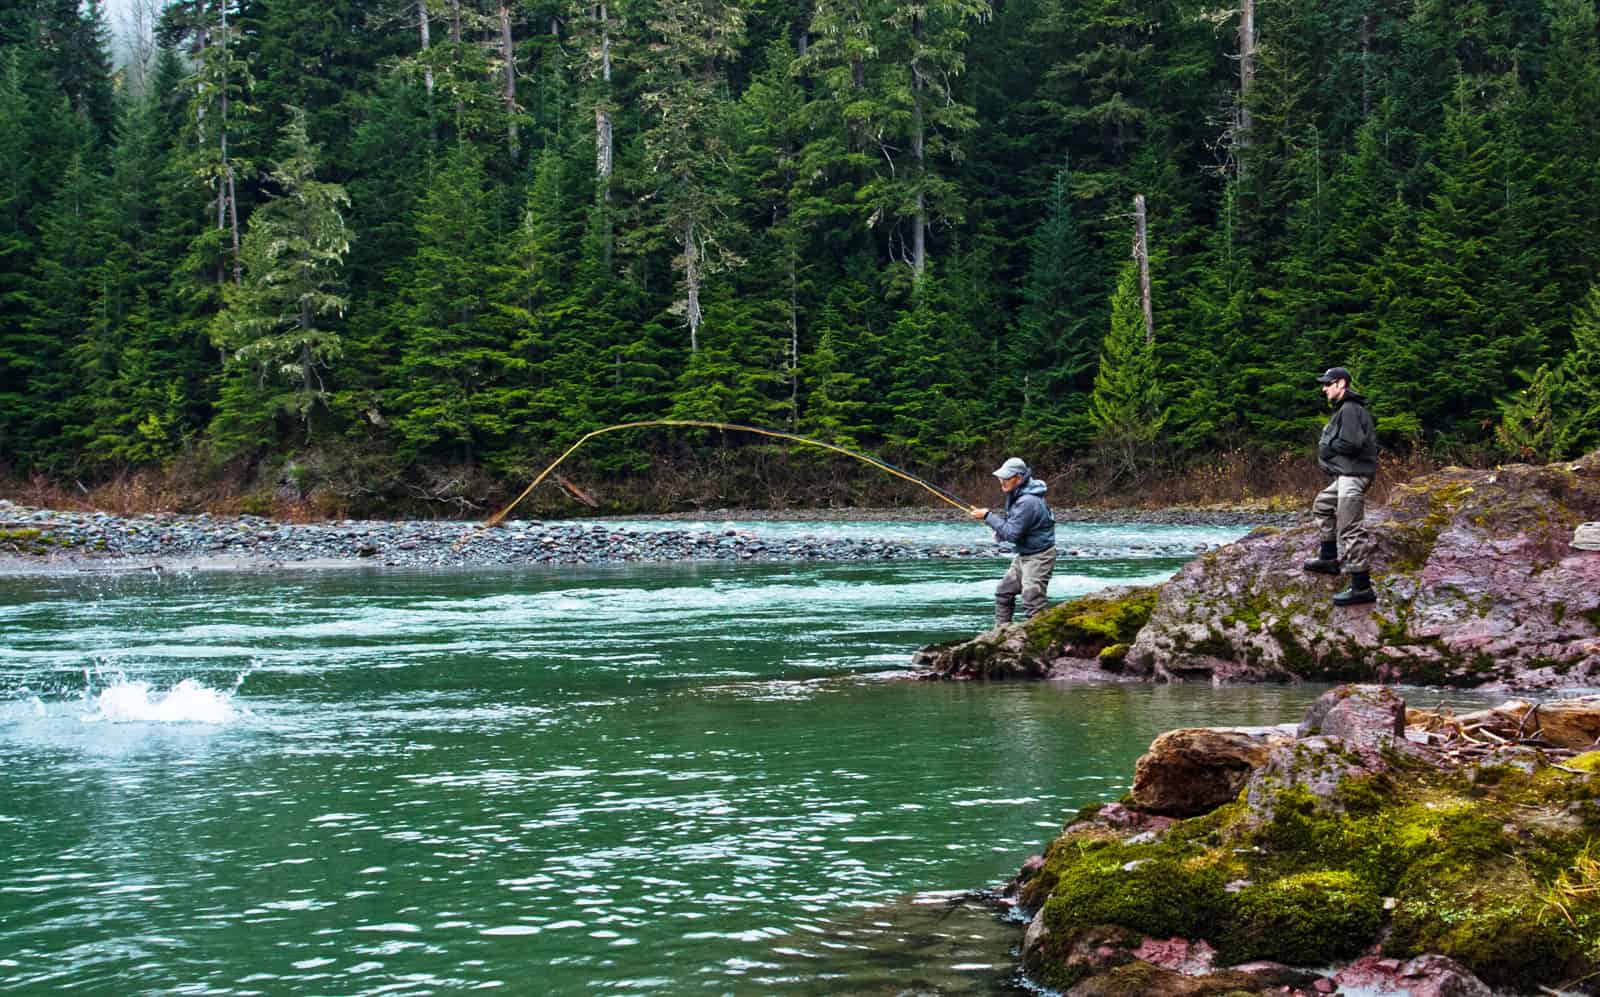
1013 468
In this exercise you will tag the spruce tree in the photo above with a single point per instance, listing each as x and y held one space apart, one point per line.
278 325
1452 331
1558 414
1054 347
834 403
441 392
1128 408
685 149
72 242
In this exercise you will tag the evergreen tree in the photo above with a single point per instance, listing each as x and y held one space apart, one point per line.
684 146
442 390
834 407
1216 384
1558 414
930 420
1056 341
1451 333
274 327
545 361
76 45
141 376
1127 408
1562 146
71 243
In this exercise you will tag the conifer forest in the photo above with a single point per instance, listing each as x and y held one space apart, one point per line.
391 244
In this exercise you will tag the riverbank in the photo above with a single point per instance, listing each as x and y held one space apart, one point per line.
34 540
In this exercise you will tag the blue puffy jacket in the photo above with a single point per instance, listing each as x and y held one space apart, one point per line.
1027 521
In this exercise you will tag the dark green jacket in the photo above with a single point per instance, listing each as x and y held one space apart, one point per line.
1349 443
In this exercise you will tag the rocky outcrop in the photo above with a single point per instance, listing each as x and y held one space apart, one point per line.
1478 581
1427 861
1085 638
1195 770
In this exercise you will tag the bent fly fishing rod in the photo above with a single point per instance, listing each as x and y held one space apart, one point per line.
881 465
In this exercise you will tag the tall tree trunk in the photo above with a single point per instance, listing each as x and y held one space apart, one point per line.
603 139
1247 75
919 222
233 223
691 285
422 29
794 336
509 55
454 10
1141 252
1366 65
228 192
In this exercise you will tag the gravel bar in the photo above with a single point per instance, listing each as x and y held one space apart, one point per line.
34 540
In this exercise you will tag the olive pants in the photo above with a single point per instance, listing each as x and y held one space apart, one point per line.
1028 575
1340 510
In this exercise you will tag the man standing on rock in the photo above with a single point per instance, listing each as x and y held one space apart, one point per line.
1348 451
1026 522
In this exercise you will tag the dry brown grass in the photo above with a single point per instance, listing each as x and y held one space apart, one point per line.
1575 886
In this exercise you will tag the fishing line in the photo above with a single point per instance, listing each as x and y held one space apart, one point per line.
881 465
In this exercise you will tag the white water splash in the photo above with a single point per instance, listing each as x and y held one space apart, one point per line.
186 702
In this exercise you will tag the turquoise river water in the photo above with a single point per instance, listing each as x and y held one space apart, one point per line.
654 779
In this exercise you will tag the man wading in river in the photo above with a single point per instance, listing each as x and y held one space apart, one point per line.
1348 451
1027 523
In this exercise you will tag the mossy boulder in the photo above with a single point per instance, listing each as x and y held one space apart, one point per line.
1494 865
1087 636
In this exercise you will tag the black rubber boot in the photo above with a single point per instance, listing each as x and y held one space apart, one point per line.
1327 560
1359 593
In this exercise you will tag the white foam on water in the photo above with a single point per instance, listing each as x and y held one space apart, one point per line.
188 702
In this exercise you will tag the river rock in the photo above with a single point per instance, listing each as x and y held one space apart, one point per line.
1367 717
1586 536
1083 638
1477 585
1195 770
1424 976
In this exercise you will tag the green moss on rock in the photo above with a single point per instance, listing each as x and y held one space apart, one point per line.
1589 761
1308 917
26 541
1491 867
1093 621
1145 890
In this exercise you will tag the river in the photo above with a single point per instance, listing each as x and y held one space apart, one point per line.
648 778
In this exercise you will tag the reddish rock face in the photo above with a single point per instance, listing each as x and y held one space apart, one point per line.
1190 772
1366 717
1424 976
1478 585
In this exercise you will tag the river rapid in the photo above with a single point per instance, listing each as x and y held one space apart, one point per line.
679 778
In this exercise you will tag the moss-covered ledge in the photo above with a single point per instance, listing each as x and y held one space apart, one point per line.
1087 636
1412 857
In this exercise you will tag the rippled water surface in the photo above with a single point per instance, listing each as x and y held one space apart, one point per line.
657 779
